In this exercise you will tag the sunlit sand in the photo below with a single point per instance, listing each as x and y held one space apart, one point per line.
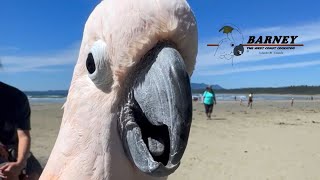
271 141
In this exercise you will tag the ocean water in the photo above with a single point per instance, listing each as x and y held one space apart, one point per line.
48 99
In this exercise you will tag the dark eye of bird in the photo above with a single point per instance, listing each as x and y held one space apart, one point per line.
90 64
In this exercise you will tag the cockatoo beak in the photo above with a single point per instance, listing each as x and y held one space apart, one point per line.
155 121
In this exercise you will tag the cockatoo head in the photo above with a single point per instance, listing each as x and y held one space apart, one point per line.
130 93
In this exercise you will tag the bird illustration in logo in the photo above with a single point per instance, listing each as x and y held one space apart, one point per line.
231 45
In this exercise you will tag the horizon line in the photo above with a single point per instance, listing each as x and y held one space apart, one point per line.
200 88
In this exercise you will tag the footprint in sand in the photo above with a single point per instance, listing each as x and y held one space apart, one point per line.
287 124
221 119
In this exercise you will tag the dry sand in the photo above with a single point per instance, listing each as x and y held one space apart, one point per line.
271 141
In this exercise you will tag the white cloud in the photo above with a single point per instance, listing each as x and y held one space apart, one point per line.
261 68
40 62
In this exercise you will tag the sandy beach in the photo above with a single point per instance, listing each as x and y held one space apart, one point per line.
272 141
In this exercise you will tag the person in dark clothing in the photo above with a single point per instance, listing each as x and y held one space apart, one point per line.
16 160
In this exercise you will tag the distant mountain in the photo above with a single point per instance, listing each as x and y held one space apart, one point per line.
202 86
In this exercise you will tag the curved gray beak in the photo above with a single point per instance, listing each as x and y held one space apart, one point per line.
156 119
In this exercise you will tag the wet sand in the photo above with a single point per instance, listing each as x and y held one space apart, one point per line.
271 141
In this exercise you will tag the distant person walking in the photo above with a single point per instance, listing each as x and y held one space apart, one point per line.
209 99
250 100
292 101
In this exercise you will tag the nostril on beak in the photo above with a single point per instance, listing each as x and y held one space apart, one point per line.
157 139
156 147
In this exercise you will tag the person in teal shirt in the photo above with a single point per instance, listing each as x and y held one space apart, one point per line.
209 99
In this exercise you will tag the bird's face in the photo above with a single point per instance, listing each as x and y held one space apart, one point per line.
133 72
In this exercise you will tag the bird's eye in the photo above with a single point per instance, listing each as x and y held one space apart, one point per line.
98 66
91 67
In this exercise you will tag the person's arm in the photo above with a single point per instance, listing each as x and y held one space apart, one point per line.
23 131
23 147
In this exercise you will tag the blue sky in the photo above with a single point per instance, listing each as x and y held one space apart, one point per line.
39 42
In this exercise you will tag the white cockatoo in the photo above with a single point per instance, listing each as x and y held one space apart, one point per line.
129 109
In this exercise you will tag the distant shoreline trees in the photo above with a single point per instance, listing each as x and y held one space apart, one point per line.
298 90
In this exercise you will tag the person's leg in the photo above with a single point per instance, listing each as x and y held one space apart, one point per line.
12 177
210 111
207 110
33 169
9 177
5 158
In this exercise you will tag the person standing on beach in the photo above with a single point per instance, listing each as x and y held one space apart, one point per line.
292 100
16 158
250 100
209 99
